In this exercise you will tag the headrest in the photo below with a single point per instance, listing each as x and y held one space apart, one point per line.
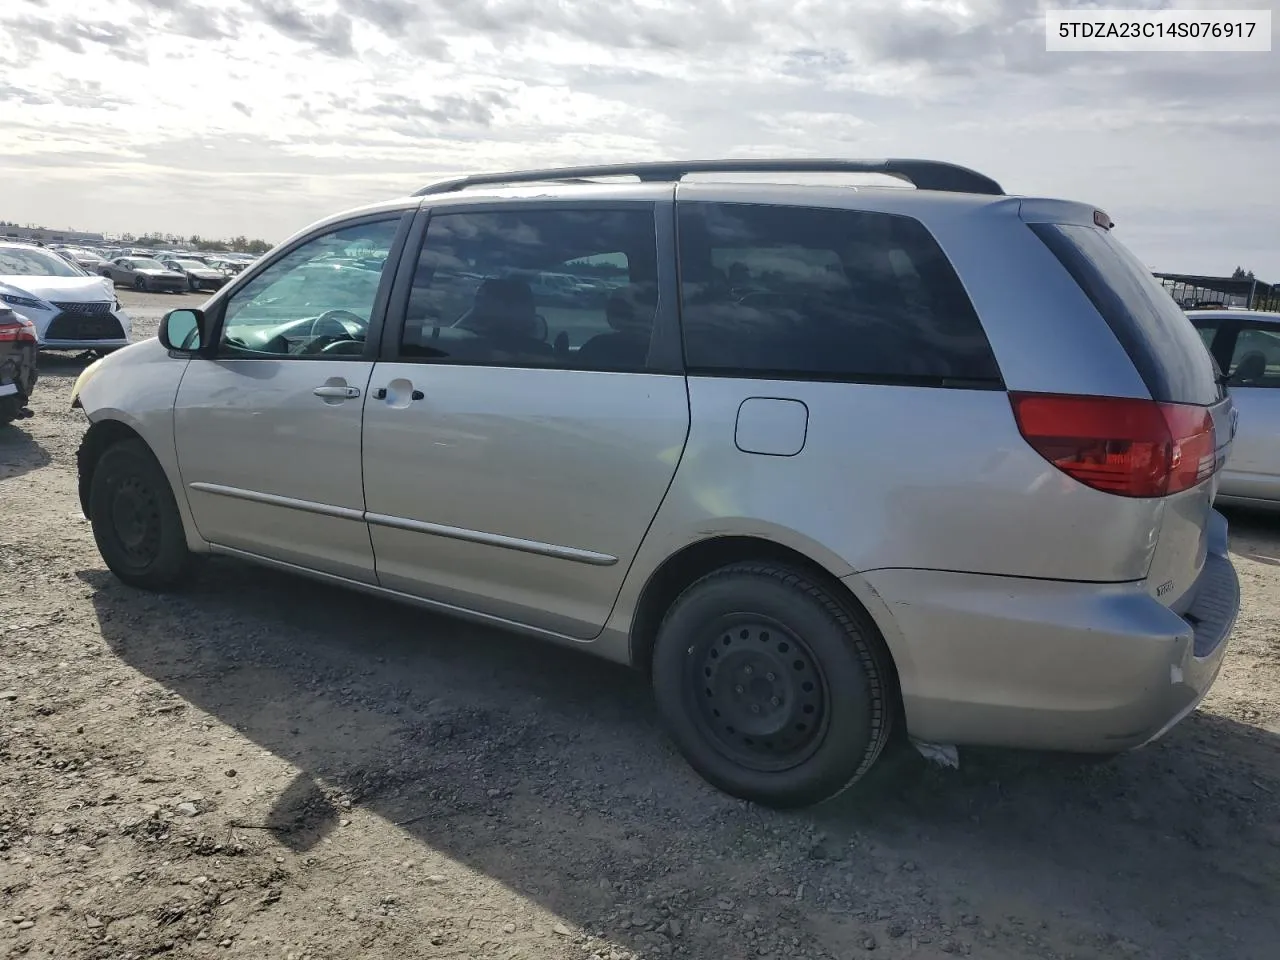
631 308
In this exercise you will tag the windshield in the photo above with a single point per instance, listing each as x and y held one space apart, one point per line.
147 265
191 264
17 262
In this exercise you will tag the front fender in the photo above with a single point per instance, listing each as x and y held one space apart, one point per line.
134 392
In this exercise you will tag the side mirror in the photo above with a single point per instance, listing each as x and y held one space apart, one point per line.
183 331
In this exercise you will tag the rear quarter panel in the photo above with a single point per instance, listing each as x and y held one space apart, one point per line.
893 477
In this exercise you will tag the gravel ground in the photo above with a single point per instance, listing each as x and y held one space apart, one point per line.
267 768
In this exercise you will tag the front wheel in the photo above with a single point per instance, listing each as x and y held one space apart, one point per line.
772 689
11 408
135 519
140 284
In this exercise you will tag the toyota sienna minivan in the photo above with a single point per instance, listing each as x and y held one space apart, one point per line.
821 459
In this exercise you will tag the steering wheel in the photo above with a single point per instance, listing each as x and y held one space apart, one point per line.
335 331
322 343
330 323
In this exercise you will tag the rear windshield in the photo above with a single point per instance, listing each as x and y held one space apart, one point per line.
1160 340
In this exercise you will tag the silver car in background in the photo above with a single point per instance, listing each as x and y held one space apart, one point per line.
1246 344
820 460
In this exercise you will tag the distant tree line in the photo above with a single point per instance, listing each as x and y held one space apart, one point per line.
240 244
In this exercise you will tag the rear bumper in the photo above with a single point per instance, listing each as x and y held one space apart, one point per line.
1040 664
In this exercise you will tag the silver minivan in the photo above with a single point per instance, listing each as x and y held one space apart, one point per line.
1246 344
824 460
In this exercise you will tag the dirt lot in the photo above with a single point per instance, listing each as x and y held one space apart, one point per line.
267 768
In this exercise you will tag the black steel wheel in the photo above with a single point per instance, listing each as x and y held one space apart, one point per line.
140 283
135 519
773 689
763 693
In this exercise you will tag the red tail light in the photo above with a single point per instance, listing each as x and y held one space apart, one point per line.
1132 448
14 329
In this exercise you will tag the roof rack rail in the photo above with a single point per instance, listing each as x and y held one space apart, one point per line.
922 174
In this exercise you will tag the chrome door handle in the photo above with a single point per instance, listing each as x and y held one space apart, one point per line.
341 393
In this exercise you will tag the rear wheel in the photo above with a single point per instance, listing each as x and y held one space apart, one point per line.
135 519
770 687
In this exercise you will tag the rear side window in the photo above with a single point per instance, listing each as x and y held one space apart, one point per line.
1162 343
814 293
1255 361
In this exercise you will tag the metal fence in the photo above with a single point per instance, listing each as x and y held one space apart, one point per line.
1199 291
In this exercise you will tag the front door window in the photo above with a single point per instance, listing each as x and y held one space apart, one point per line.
317 300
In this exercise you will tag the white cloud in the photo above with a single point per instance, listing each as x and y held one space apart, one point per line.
255 116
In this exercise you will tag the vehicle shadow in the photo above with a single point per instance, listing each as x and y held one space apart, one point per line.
65 363
547 771
20 452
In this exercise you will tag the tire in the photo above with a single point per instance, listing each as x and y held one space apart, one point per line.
9 407
140 284
135 520
744 668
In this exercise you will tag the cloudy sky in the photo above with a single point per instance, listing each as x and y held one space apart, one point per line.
256 116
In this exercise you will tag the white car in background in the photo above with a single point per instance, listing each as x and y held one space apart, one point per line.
85 259
71 309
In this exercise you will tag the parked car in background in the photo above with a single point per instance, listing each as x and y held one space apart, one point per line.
18 356
71 309
200 276
230 267
951 466
85 259
1246 345
143 273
